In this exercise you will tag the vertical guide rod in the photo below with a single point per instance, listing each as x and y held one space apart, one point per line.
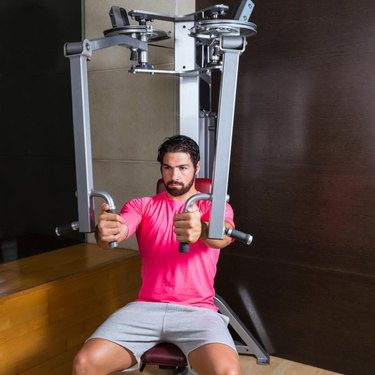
82 142
188 94
227 101
79 53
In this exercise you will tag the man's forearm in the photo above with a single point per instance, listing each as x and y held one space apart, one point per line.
216 244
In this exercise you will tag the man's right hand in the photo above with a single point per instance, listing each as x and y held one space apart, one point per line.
111 227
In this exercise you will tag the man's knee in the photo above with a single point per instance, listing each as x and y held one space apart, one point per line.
102 357
230 369
218 359
83 363
89 361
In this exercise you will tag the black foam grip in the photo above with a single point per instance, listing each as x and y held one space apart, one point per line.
239 236
113 243
74 48
184 247
64 229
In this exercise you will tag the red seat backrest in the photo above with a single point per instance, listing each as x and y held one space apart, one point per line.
201 184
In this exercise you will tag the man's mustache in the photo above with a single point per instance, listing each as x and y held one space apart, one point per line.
172 182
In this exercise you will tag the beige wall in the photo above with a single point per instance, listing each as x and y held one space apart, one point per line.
130 114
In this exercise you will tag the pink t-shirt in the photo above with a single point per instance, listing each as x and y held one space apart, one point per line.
168 275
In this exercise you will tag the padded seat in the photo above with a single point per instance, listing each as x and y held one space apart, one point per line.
165 355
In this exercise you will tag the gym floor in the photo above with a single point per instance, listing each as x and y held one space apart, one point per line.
278 366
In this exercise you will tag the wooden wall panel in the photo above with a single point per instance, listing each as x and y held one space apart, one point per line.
302 181
43 326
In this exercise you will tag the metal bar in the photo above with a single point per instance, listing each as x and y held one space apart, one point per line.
189 107
184 247
208 139
78 54
82 142
118 40
188 85
206 12
203 135
210 143
251 346
234 233
185 73
244 10
227 100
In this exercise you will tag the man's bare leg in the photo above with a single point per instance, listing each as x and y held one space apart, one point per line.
102 357
215 359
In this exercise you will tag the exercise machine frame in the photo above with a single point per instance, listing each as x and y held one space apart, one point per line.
203 42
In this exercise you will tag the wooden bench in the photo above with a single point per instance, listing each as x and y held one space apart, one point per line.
50 303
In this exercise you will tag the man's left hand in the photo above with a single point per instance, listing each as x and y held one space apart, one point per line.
188 225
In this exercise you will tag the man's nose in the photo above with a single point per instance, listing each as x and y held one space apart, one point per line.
175 174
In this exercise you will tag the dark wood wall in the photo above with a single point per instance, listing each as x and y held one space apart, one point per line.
303 181
37 170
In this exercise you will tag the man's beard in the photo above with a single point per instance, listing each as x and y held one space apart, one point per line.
177 192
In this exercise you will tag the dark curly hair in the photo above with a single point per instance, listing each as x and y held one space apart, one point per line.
179 143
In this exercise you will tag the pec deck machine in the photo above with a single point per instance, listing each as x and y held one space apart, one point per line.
204 41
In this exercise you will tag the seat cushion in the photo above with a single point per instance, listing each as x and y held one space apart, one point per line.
165 354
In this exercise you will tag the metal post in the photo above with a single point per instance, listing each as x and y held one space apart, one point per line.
79 53
82 142
224 141
208 140
188 85
250 345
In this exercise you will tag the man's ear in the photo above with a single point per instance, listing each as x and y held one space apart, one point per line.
198 167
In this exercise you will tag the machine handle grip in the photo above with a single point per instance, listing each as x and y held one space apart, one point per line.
112 244
238 235
233 233
183 247
64 229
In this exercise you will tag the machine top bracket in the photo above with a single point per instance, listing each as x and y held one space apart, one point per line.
213 29
212 12
141 32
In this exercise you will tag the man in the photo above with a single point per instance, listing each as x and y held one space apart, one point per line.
175 302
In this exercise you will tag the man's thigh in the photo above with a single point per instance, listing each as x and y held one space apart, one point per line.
214 359
136 327
103 356
192 327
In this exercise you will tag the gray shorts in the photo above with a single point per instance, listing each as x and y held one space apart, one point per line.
141 325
